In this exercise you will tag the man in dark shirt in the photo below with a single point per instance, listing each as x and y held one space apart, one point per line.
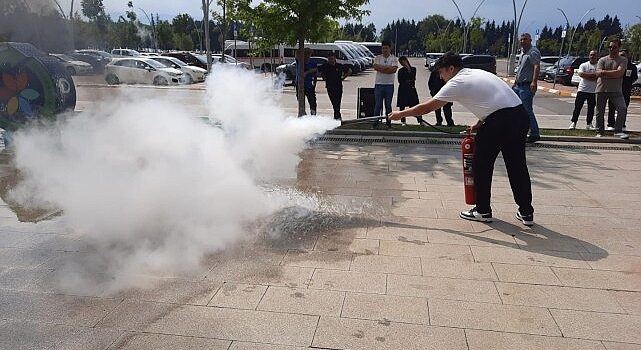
334 73
309 76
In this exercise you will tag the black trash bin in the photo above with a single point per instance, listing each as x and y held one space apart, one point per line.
365 106
33 85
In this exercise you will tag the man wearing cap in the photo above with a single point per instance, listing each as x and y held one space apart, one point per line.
502 127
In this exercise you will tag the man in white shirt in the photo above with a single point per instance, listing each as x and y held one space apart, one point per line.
385 66
586 91
502 127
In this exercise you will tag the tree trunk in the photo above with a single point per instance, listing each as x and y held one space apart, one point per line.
207 43
73 41
300 67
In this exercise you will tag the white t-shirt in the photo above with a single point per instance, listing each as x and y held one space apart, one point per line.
384 78
586 85
481 92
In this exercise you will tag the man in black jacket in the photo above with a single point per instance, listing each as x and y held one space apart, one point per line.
334 73
435 83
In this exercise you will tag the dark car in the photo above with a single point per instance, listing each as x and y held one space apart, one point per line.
96 62
189 58
484 62
290 69
565 69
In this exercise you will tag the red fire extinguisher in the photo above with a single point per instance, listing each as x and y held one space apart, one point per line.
467 152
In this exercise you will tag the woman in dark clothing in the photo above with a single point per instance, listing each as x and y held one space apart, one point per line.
435 83
407 95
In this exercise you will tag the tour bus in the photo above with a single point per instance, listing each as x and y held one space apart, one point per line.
285 54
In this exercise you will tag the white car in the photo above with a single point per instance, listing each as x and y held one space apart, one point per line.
72 65
192 74
636 86
141 70
125 53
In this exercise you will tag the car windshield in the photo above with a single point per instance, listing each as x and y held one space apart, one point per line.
65 58
155 64
567 61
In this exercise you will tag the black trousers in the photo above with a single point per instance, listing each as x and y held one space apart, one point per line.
504 131
310 93
612 109
581 97
419 118
335 97
447 111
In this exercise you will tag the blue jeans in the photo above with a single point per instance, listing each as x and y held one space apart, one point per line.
383 92
525 94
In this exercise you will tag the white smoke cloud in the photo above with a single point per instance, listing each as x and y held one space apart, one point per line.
152 188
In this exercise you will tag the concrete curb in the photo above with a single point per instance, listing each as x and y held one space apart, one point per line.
558 92
437 135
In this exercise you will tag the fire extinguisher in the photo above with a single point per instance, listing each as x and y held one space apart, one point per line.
467 152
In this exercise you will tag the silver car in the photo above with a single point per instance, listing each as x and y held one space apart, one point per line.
141 70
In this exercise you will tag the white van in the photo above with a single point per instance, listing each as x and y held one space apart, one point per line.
342 55
125 53
374 47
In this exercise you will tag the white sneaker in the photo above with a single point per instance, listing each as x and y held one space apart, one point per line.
589 127
621 135
609 128
599 135
572 126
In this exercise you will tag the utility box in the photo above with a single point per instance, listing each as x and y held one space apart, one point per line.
33 85
366 101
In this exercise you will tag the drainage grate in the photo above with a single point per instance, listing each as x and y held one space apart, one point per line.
431 141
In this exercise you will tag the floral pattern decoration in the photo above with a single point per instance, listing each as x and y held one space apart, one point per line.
16 95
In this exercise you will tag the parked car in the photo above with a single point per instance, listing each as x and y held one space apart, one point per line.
97 63
125 53
141 70
98 53
431 57
192 74
191 59
546 62
636 86
484 62
290 69
565 69
218 58
72 65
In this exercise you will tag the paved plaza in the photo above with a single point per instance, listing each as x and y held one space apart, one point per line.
387 265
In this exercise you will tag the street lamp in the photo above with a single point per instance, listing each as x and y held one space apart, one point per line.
153 29
517 23
574 31
465 31
567 26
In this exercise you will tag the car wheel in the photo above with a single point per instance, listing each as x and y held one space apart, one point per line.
636 90
160 81
189 79
71 71
112 79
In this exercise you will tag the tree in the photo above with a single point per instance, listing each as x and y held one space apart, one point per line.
633 39
298 20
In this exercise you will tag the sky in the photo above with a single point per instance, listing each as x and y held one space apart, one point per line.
537 12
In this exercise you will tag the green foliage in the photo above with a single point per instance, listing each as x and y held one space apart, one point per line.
183 41
92 9
633 41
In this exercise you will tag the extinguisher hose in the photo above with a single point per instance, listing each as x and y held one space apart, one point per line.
423 122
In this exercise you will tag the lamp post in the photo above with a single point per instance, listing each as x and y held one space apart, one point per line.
574 31
472 18
567 26
464 26
517 22
153 29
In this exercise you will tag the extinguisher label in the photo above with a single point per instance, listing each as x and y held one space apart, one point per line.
467 162
469 181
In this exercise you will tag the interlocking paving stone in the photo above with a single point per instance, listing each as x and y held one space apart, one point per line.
493 317
238 296
318 259
523 257
558 297
392 233
140 341
599 279
262 346
482 340
387 264
445 288
344 333
458 269
386 307
599 326
29 335
302 301
526 274
611 262
54 308
351 245
630 301
350 281
26 258
621 346
425 250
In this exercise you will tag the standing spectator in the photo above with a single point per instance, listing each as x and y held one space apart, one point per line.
435 83
310 81
585 91
610 72
334 73
629 78
385 66
407 95
525 84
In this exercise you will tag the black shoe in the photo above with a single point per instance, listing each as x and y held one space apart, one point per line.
438 124
452 124
474 215
528 220
533 139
